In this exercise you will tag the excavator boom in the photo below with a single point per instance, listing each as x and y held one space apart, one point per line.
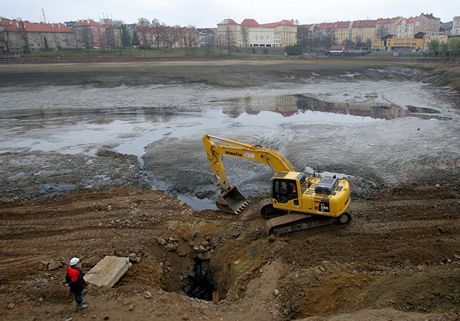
231 200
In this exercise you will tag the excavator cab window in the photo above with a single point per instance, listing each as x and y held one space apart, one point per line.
284 190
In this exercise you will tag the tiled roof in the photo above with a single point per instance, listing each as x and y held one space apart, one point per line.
228 22
276 24
46 27
12 25
386 21
249 23
86 23
333 25
364 24
16 25
429 16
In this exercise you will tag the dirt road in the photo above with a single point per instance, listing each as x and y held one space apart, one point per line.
401 251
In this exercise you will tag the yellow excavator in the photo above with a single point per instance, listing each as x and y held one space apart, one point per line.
297 201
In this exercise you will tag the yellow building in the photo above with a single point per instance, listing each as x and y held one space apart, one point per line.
252 34
229 33
440 38
363 30
410 43
378 44
285 30
340 29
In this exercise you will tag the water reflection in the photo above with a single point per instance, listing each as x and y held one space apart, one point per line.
290 105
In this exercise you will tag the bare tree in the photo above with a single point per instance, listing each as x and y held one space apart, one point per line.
245 37
359 41
228 39
309 37
143 27
109 36
24 36
209 43
157 31
191 39
4 39
381 31
87 37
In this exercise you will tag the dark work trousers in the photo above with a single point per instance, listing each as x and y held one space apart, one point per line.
78 297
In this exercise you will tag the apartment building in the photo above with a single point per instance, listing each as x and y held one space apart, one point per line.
424 23
24 35
363 30
286 30
455 26
208 37
252 34
229 33
341 30
386 26
428 24
90 34
405 28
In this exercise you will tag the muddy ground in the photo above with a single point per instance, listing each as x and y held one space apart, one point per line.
399 259
82 146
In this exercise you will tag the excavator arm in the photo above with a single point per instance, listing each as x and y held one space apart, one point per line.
217 147
230 199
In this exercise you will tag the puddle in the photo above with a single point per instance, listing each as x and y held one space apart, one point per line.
294 105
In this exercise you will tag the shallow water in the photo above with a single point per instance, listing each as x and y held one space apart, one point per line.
82 120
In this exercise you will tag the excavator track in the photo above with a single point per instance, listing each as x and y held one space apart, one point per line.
294 222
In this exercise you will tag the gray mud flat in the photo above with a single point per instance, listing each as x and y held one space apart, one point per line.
381 126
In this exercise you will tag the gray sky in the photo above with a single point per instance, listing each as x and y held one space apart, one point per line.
208 13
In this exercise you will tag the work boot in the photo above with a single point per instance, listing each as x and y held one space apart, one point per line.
82 306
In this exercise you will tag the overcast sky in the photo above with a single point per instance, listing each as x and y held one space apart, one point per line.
208 13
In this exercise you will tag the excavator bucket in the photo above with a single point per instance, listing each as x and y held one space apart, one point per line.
232 201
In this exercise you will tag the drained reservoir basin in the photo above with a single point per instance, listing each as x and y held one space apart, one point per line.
54 139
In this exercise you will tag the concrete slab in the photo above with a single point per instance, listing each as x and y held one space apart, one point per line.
108 271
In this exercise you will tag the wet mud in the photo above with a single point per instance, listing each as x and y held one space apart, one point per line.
380 127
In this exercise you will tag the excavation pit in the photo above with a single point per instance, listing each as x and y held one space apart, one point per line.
201 285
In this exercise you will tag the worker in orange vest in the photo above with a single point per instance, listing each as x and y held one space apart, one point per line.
76 283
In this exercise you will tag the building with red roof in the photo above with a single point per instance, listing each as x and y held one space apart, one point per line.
249 23
386 27
363 31
19 35
250 33
90 34
407 28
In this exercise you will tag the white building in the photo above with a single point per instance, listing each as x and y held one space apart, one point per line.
252 34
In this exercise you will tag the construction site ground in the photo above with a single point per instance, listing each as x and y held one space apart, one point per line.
106 158
399 259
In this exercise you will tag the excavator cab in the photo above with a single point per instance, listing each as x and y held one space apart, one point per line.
285 190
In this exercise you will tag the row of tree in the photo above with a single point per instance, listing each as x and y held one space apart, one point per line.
154 34
442 49
310 38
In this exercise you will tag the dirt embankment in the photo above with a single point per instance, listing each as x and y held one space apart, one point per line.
225 73
399 259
